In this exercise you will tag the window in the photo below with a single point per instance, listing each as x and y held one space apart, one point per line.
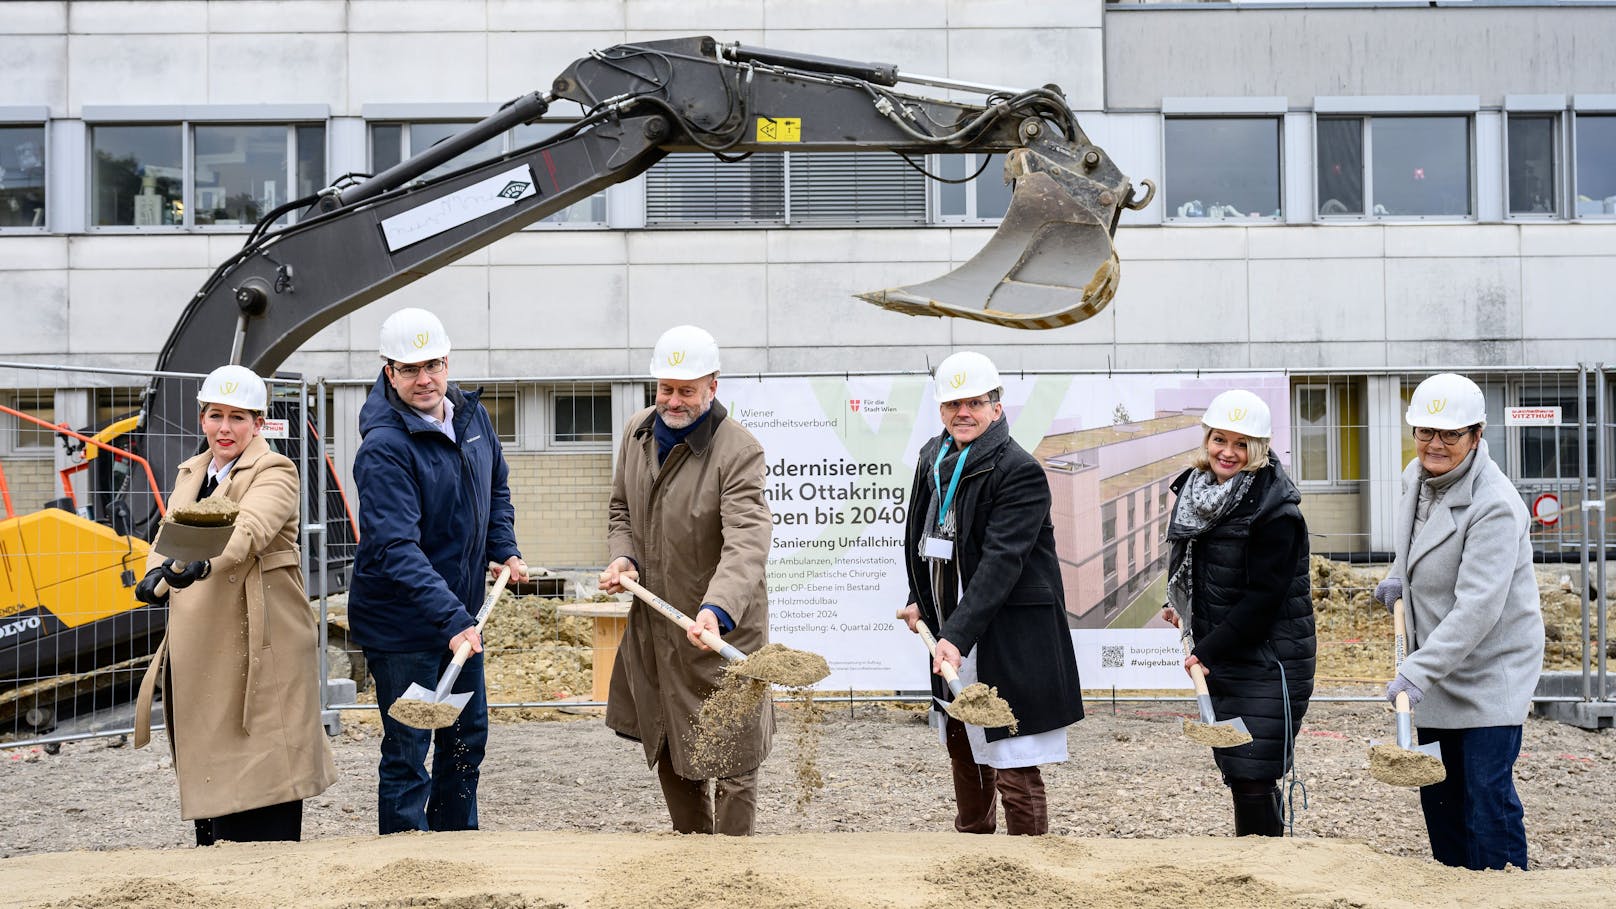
1532 154
1394 166
1551 452
137 176
1109 565
1108 522
1329 431
22 176
581 414
500 402
805 188
27 435
1596 165
243 171
179 174
986 197
1222 167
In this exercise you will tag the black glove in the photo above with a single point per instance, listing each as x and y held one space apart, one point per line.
146 590
186 574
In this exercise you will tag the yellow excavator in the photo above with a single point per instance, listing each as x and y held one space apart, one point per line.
1050 263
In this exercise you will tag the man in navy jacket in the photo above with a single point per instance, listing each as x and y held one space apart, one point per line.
434 510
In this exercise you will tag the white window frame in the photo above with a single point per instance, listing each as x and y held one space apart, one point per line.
186 118
934 191
1593 106
1333 424
1366 109
1253 108
11 426
33 116
592 389
1534 106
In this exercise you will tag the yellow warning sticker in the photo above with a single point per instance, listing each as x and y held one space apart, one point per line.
779 129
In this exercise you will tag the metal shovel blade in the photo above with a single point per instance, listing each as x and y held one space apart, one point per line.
185 543
423 708
1050 263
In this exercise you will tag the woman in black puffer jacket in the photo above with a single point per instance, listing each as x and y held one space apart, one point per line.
1239 573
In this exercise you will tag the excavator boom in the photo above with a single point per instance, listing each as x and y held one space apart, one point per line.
1051 263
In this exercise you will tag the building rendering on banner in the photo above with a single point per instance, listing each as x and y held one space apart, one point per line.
1348 197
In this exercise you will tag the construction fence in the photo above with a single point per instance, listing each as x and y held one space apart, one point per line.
85 486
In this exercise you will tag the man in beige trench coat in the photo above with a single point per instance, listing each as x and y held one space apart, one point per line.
239 668
689 521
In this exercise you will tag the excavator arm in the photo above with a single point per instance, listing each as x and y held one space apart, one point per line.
1051 263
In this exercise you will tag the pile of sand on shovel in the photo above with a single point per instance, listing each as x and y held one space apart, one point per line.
213 511
1219 736
423 714
980 705
1396 766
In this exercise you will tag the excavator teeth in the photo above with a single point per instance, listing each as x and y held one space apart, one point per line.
1051 263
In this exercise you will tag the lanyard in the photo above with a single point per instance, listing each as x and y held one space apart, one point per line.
937 477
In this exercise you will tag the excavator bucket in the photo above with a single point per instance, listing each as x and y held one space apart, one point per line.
1050 263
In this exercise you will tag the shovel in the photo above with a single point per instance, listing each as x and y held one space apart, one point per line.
806 671
1211 731
195 533
975 704
435 709
1406 763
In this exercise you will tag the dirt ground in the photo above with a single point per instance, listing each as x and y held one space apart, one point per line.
1131 776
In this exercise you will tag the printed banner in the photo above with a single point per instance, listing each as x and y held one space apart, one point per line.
841 467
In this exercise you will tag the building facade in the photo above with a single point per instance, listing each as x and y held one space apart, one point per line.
1362 191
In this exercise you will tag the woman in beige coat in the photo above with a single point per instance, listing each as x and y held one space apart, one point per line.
238 667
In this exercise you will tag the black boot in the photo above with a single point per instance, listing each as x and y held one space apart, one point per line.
1256 808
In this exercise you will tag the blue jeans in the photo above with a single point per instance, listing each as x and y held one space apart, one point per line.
407 798
1474 817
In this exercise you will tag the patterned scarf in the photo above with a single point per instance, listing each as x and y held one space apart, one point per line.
1202 504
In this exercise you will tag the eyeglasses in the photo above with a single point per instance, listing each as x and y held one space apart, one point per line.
430 367
1448 436
972 404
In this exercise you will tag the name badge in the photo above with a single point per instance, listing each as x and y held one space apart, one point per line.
938 548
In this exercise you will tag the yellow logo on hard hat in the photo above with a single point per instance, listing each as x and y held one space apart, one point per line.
675 358
1435 405
1237 414
420 340
957 380
228 388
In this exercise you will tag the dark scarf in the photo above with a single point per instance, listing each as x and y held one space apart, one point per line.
667 436
945 573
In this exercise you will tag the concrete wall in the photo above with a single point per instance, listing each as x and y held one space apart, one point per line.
31 481
1215 50
1336 521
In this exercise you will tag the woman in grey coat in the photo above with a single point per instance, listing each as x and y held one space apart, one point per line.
1475 626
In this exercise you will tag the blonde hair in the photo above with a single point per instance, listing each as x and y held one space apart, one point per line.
1256 452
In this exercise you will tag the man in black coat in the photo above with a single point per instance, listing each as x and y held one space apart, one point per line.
984 577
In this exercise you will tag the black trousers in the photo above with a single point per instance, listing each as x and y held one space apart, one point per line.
271 823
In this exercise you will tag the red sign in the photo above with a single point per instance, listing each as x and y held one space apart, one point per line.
1546 508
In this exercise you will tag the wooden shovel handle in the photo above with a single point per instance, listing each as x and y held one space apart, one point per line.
1197 673
663 606
949 675
1399 649
463 652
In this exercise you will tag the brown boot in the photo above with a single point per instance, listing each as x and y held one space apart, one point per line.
974 785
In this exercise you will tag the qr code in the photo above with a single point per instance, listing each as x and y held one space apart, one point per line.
1111 656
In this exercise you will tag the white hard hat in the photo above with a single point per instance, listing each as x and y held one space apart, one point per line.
965 375
1238 410
1446 401
234 386
684 352
413 336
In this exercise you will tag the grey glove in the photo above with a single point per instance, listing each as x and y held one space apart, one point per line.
1388 592
1415 695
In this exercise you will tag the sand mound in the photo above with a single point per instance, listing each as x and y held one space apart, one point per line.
804 871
